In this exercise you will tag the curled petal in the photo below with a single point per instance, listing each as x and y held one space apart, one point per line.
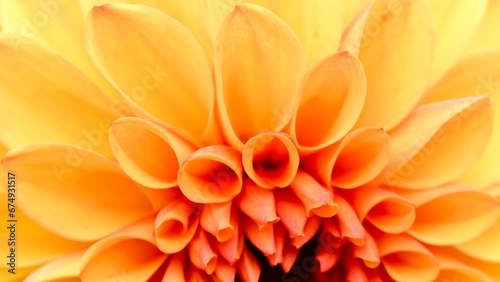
262 238
224 272
316 198
280 238
356 160
441 218
329 251
351 38
175 226
291 211
154 165
355 271
231 249
211 175
216 220
450 267
368 252
64 267
258 204
175 268
259 92
313 224
349 223
248 267
201 254
332 95
270 159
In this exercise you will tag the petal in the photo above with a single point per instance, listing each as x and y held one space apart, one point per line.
248 267
231 250
349 163
261 238
349 224
313 224
426 145
405 259
65 268
396 52
154 165
201 254
441 218
175 268
270 159
258 204
332 95
211 175
352 8
487 36
329 243
280 239
291 211
257 79
58 105
225 272
451 268
155 61
216 220
74 193
353 32
368 252
475 76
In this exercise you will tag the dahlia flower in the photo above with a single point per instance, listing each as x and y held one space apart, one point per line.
216 140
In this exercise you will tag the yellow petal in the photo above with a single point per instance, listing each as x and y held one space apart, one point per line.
455 22
427 143
59 104
487 36
201 254
74 193
270 159
154 165
20 273
216 220
396 52
332 95
353 32
451 268
211 175
257 80
349 224
65 268
441 218
155 61
474 76
352 8
258 204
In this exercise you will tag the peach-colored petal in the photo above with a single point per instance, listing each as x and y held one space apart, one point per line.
270 159
216 220
231 249
475 76
354 161
451 214
65 268
396 51
312 226
349 223
130 254
59 104
452 269
175 268
175 225
224 272
487 36
248 267
212 174
155 62
427 143
368 252
405 259
280 239
154 165
332 95
201 254
75 193
291 211
262 238
316 198
353 32
257 80
257 203
386 210
329 246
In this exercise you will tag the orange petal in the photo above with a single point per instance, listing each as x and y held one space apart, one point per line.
65 268
368 252
265 74
291 211
262 238
216 220
332 95
248 267
353 32
312 226
452 269
61 182
290 255
396 76
405 259
349 223
355 272
270 159
201 254
175 268
175 225
224 272
441 218
356 160
386 210
329 251
316 198
258 204
124 256
231 249
154 165
211 175
66 106
487 36
155 62
427 143
280 239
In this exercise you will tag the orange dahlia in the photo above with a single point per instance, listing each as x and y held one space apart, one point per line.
215 140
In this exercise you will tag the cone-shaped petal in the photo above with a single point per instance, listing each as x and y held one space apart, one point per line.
257 80
231 249
317 198
216 220
270 159
248 267
353 33
312 226
258 204
224 272
211 175
201 254
291 211
349 223
262 238
64 268
368 252
175 268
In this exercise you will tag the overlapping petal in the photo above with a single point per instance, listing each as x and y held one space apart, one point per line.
487 36
64 268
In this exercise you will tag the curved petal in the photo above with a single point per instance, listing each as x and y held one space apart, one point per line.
451 268
312 226
175 268
258 204
353 32
349 224
225 272
441 218
75 193
280 239
248 267
211 175
474 76
231 249
427 143
216 220
65 268
487 36
155 62
201 254
291 211
150 154
270 159
332 95
329 251
396 51
257 80
368 252
261 238
59 104
352 8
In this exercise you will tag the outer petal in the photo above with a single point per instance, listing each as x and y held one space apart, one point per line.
451 268
155 62
427 143
396 52
487 36
74 193
59 104
257 80
65 268
353 32
352 9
